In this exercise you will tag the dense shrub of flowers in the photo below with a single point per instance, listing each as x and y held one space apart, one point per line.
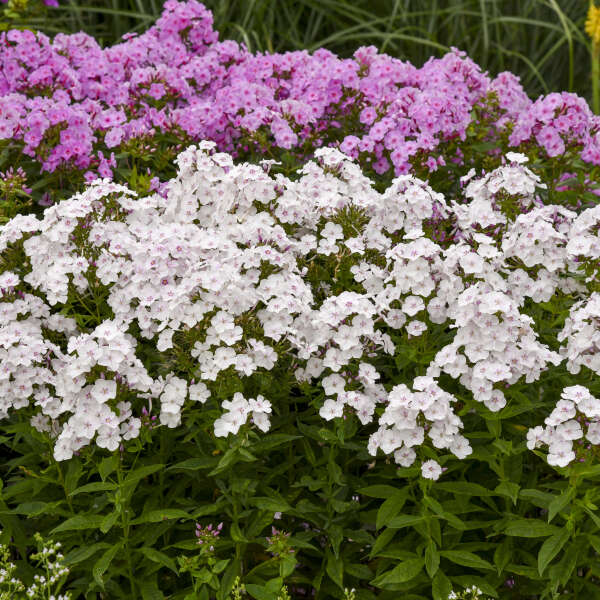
227 255
356 322
121 313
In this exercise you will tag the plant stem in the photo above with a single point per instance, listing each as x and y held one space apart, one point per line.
125 528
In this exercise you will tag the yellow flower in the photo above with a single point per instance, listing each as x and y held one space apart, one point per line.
592 24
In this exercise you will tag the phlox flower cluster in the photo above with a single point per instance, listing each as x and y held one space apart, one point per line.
71 103
226 258
575 407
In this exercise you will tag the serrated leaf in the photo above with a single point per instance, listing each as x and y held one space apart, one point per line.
550 548
159 557
466 559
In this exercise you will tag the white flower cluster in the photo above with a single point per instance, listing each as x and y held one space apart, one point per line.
49 560
563 426
230 244
469 593
237 413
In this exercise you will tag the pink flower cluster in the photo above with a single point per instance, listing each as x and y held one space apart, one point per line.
70 102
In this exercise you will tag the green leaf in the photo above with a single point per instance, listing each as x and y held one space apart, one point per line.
335 569
271 504
401 573
508 488
149 589
390 508
79 522
503 554
359 571
227 580
220 565
134 476
195 464
272 441
96 486
260 592
33 508
104 562
405 521
108 521
229 458
432 558
84 552
530 528
466 581
585 470
73 475
568 562
551 547
379 491
108 465
441 586
159 557
236 533
466 559
336 535
559 503
537 497
383 539
161 514
464 488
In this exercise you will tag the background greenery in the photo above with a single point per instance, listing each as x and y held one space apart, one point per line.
543 41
